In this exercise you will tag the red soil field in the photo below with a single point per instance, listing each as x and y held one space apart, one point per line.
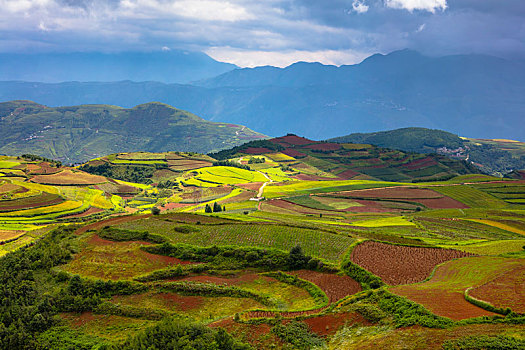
42 200
279 203
442 203
451 304
42 168
111 221
252 186
396 193
291 140
329 324
420 163
67 177
255 334
285 314
507 290
293 153
231 281
428 198
170 206
90 211
336 287
256 150
399 264
347 174
325 146
307 177
183 302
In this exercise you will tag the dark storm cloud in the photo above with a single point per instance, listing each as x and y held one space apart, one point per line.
252 32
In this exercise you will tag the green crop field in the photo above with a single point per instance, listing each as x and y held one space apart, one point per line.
266 254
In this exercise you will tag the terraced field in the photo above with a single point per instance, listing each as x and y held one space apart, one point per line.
443 294
290 254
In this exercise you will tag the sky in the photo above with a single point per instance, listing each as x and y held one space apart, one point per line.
266 32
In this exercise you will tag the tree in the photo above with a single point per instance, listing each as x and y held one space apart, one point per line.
296 258
216 207
207 209
155 211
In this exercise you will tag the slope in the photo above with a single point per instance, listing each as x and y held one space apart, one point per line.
328 160
473 95
78 133
494 156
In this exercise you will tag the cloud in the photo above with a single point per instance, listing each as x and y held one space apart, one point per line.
247 58
251 32
424 5
359 6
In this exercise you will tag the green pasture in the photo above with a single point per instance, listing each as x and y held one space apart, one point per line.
314 242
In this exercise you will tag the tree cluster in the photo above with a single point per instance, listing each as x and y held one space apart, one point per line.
215 209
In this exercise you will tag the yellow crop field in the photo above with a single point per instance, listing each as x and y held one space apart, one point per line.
391 221
64 206
499 225
223 175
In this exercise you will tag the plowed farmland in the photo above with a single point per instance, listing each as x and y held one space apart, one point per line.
443 294
336 287
415 265
506 290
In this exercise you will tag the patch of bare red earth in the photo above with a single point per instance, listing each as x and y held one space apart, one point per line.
325 325
292 140
172 205
252 186
182 302
335 286
506 290
451 304
400 264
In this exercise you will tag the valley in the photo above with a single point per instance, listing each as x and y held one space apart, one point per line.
284 243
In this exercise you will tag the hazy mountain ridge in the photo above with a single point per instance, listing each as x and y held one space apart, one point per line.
173 66
79 133
475 95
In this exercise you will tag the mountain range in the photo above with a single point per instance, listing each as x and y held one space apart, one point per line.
471 95
168 66
78 133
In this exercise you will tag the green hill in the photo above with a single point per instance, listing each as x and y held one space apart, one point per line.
79 133
495 157
351 160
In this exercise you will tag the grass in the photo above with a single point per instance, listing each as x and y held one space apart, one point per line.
307 187
494 247
6 164
314 242
471 196
391 221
